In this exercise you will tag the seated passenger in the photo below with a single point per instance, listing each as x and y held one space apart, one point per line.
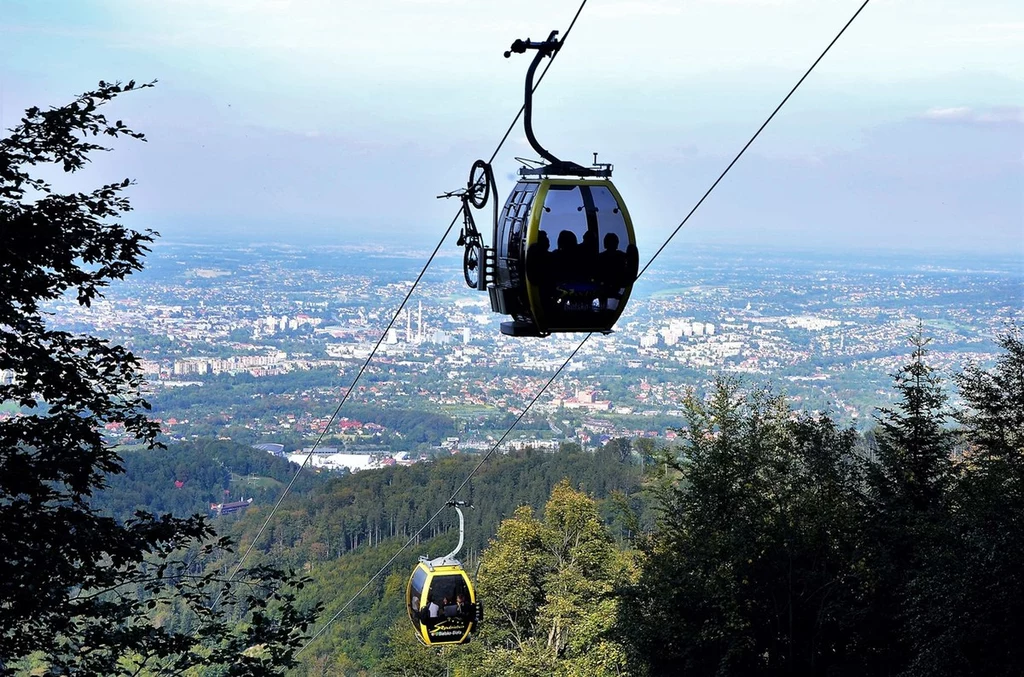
564 261
465 609
613 268
537 264
433 612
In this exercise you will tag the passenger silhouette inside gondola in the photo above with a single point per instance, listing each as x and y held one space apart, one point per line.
562 275
613 267
433 612
464 610
587 256
564 260
449 609
537 260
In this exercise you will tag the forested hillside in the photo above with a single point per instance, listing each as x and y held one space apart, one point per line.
346 530
185 478
365 508
342 529
767 541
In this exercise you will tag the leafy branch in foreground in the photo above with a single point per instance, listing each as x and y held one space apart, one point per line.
79 591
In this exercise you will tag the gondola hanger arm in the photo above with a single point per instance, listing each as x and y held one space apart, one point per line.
546 48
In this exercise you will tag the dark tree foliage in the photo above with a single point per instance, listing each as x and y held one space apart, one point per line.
967 601
79 591
994 422
914 464
908 483
752 569
789 546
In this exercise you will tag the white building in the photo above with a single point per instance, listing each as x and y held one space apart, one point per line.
810 322
350 462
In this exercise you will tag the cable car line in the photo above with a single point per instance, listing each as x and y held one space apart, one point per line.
752 138
444 505
440 597
586 338
384 334
344 399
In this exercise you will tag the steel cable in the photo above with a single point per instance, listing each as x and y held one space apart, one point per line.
384 334
589 335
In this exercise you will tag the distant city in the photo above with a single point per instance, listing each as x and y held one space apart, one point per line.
259 343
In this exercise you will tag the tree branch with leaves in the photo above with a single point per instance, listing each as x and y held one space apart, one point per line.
78 588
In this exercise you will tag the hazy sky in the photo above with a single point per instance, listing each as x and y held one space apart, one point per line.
341 120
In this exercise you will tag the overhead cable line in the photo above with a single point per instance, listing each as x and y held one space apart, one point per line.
752 138
416 535
444 505
344 399
384 334
476 468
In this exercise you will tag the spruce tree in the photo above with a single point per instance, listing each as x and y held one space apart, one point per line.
908 509
914 443
993 423
968 598
752 567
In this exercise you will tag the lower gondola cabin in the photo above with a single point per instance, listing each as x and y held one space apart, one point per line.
442 604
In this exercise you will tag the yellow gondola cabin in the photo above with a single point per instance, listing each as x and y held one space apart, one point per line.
440 598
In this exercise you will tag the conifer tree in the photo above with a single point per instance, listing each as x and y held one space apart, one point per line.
967 600
907 516
994 420
751 569
914 444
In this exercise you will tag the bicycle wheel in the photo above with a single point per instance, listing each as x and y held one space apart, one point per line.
480 180
472 268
